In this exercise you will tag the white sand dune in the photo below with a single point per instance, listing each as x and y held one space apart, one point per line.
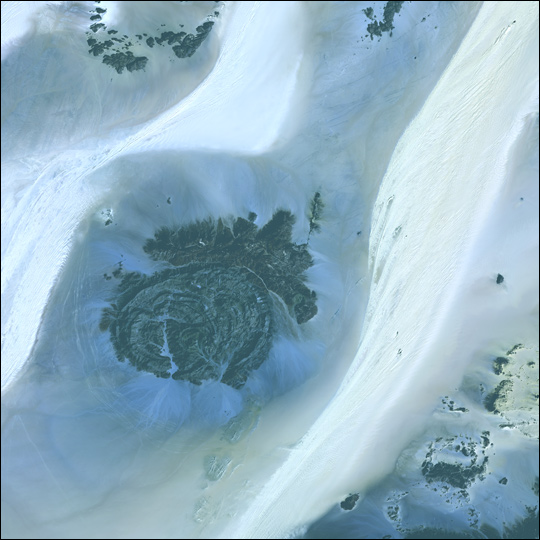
431 217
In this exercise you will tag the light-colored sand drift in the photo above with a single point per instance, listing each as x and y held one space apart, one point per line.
301 108
440 186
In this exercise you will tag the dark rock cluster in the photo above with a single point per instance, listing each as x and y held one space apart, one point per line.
498 365
268 252
184 45
316 208
497 398
349 502
127 60
458 472
376 28
210 315
193 323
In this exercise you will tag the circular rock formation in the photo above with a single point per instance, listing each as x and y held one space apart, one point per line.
193 323
210 316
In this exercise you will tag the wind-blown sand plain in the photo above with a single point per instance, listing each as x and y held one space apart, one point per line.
423 146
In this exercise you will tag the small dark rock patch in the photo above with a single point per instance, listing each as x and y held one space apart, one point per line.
350 502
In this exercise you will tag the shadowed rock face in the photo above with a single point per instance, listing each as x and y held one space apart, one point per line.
211 316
